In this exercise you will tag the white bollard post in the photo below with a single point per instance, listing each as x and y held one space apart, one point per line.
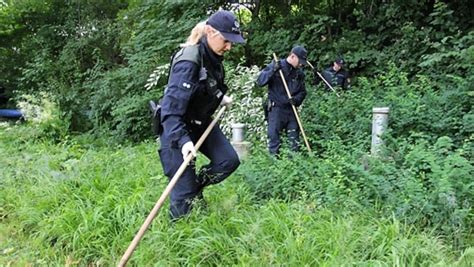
238 136
379 124
238 132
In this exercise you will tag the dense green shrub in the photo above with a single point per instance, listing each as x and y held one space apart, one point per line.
427 185
95 57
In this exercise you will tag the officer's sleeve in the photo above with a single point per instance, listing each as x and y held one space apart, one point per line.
328 78
265 75
181 86
301 93
316 79
347 81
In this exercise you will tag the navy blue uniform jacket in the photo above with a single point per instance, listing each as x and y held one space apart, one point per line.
186 99
276 90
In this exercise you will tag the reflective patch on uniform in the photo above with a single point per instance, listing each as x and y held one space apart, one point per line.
187 85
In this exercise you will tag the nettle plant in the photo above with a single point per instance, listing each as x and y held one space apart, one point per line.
247 103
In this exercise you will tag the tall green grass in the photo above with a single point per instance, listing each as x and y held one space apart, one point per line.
80 203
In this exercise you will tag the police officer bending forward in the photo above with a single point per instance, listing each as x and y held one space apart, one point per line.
195 90
335 75
280 112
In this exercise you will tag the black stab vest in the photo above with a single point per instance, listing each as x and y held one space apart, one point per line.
210 88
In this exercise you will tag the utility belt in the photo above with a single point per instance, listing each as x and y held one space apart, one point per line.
272 104
268 105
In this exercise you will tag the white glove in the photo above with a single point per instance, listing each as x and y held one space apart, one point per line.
226 101
188 147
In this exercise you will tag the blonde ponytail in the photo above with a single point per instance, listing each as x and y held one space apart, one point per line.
196 34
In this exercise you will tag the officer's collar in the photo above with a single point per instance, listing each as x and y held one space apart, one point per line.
288 65
213 57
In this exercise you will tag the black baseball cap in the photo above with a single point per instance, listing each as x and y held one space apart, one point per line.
226 23
301 53
340 61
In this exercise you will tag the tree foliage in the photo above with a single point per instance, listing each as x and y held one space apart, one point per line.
95 56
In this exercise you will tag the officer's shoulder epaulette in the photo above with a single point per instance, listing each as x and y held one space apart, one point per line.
188 53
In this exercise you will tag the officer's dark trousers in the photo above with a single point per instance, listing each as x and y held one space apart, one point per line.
279 119
223 161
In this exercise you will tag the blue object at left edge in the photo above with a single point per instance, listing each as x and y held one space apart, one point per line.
10 113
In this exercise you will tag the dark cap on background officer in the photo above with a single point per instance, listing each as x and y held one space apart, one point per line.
195 90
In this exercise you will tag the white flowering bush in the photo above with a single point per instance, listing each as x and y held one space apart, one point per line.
36 109
42 112
247 103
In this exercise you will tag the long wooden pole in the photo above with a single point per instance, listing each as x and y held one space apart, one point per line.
294 108
167 191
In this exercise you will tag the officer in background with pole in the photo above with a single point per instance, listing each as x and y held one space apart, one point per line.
335 75
279 107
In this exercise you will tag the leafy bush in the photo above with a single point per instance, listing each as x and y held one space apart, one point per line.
427 185
247 103
42 113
